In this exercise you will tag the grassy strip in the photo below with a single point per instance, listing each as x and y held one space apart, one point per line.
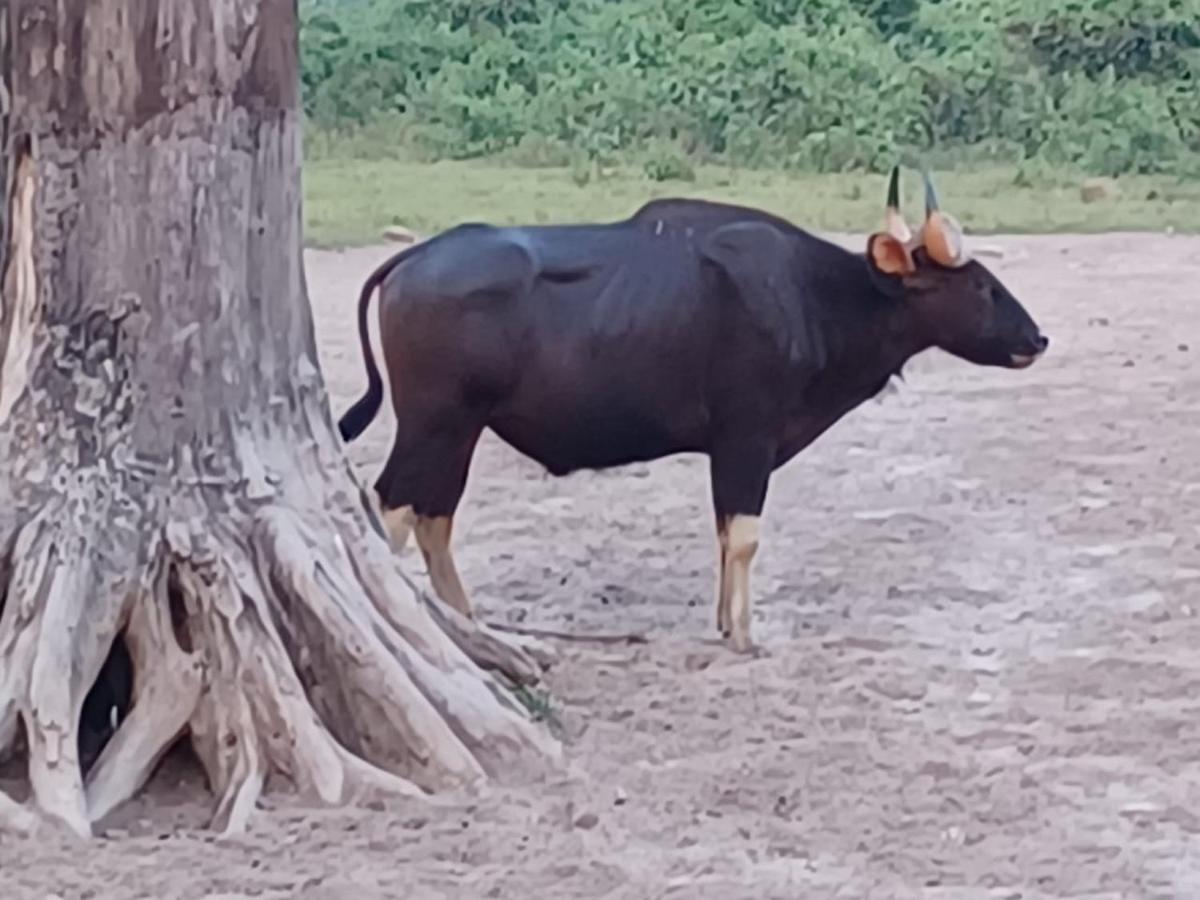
349 201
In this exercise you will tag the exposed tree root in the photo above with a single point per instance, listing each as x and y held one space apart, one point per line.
520 658
276 653
15 818
254 717
378 704
480 711
166 691
52 646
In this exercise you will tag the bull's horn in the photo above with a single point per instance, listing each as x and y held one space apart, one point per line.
931 202
941 234
893 218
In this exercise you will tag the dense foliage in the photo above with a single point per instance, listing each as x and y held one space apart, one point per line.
1109 85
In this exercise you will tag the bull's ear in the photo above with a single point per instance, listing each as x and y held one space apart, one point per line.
889 255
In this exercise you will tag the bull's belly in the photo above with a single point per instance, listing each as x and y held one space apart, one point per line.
569 441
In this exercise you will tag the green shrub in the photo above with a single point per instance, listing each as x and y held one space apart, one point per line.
665 162
1105 85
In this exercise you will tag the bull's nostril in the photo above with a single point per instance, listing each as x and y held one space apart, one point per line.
1042 343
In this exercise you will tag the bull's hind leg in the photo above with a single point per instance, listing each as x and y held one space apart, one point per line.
740 472
723 623
419 492
433 537
399 523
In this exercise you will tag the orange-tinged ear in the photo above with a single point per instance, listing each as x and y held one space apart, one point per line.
889 255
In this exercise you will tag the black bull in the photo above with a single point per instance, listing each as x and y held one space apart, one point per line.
690 327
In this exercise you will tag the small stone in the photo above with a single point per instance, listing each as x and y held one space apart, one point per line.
898 688
399 234
620 798
1141 808
587 821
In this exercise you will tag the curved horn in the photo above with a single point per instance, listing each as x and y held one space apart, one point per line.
893 218
941 234
931 203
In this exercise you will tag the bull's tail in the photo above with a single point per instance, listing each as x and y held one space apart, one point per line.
359 416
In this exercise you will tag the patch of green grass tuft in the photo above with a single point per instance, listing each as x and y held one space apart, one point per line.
540 705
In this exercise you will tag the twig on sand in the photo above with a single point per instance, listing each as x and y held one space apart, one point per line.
630 638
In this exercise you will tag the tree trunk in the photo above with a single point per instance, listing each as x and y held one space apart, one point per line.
172 486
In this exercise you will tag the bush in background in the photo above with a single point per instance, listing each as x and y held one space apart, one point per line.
1109 86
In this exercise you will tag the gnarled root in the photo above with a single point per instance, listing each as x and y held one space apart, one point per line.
256 716
438 650
165 694
294 651
407 676
52 646
15 818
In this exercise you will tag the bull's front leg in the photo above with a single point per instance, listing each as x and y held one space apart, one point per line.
740 471
739 539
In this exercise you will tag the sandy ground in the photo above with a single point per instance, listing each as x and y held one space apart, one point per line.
979 598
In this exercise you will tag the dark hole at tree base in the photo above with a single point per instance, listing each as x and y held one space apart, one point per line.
106 704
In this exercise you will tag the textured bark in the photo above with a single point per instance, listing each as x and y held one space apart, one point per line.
171 475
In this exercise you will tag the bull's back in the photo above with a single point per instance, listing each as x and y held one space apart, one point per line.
582 347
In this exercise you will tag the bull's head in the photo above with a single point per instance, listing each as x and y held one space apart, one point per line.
959 305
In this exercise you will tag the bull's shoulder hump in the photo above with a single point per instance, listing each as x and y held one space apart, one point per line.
706 215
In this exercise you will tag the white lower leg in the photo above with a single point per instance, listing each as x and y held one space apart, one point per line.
723 620
742 543
433 537
399 523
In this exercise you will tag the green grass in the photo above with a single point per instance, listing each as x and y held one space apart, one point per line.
349 201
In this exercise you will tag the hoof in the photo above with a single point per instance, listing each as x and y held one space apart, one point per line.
743 644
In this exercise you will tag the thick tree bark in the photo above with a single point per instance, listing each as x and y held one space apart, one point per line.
171 478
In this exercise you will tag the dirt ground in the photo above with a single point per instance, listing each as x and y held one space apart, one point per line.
979 598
